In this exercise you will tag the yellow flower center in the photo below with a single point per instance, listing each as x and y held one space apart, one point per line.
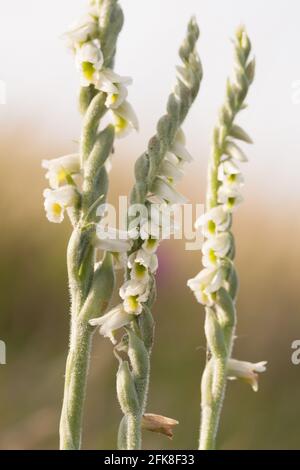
114 98
133 302
232 178
140 270
231 202
151 243
56 209
211 226
120 124
212 256
88 70
61 176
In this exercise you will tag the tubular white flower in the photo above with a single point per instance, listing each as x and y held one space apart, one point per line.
166 193
134 294
112 321
175 161
83 30
235 152
216 248
151 245
111 239
140 263
181 152
178 148
230 197
206 284
246 371
214 221
57 201
61 169
172 172
230 174
125 120
114 85
89 59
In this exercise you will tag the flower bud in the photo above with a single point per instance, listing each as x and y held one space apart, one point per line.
126 391
214 334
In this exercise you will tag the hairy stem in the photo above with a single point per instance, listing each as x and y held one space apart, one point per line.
75 385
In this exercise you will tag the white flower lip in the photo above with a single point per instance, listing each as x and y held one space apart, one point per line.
112 321
216 248
230 197
57 201
140 263
181 152
207 282
89 60
60 168
166 192
246 371
134 294
214 221
111 239
125 119
83 30
114 85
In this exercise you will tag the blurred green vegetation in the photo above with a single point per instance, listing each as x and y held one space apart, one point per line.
34 323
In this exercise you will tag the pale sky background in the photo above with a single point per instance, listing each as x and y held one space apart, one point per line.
42 81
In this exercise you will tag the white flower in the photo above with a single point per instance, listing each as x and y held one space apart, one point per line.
112 321
235 152
140 263
114 85
125 119
175 161
216 248
58 200
230 197
230 174
246 371
166 193
134 294
178 148
180 137
150 245
172 172
206 284
89 59
61 169
83 30
214 221
111 239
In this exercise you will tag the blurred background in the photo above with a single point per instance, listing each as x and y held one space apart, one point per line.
40 120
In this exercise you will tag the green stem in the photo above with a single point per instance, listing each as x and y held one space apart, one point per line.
75 386
134 435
